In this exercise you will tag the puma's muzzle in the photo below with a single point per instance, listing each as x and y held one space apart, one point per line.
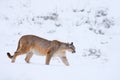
73 51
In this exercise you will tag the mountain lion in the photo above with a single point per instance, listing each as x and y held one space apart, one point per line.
31 44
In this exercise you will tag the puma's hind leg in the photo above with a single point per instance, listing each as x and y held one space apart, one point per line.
28 57
20 51
14 56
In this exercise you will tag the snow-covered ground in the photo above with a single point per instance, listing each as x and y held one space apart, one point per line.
92 25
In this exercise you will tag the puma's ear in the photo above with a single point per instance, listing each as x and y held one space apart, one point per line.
71 43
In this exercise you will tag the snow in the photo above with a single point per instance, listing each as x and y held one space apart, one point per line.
92 25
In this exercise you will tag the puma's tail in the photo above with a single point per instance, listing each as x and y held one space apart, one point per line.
9 55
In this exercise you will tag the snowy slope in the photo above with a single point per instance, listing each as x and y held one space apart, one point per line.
92 25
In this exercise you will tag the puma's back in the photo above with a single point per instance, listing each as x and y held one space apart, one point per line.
34 44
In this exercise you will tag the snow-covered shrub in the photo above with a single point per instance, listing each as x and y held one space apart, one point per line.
95 53
52 16
101 22
39 19
98 20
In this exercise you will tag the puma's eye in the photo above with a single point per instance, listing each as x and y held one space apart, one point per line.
70 46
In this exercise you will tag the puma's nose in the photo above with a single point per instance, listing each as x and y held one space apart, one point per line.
73 51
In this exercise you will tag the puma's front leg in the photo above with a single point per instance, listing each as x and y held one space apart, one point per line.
48 58
64 60
49 55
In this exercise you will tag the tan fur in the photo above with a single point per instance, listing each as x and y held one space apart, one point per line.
30 44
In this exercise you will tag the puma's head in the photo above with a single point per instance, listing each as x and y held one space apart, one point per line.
70 47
